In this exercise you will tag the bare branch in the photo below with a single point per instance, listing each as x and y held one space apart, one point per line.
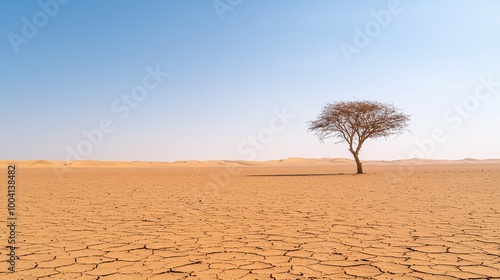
356 121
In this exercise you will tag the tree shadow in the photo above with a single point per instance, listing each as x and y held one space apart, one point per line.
299 175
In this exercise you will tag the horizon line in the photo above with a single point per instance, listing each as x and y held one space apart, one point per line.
244 160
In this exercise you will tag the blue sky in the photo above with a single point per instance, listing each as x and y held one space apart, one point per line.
228 76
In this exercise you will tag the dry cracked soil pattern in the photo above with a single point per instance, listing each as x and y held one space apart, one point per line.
440 222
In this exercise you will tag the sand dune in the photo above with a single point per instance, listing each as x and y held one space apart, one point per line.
218 163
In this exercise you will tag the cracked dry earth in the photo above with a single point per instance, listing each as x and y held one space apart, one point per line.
119 222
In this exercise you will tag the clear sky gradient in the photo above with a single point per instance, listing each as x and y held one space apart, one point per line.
232 67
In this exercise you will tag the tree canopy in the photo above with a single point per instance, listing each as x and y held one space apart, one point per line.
356 121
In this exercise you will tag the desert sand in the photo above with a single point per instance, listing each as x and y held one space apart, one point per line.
288 219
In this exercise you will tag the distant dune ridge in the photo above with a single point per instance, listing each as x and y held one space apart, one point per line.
219 163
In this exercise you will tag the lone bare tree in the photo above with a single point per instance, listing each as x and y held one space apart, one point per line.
356 121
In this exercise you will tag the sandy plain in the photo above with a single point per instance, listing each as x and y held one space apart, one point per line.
289 219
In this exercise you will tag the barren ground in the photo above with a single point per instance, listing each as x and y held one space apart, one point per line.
277 220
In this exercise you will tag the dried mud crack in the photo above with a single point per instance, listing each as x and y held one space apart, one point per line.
160 223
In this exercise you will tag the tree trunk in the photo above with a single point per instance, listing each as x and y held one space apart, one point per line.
359 165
